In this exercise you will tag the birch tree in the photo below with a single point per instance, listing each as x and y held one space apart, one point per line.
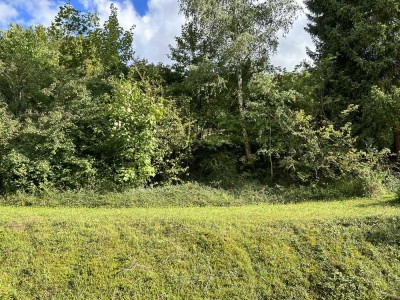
235 39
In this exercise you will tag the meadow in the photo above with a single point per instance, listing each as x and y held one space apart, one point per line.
213 175
347 249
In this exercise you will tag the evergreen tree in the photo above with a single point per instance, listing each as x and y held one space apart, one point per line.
357 51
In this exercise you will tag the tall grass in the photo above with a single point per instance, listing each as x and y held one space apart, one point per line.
184 195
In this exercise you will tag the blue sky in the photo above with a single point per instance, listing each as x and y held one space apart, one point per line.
156 23
140 6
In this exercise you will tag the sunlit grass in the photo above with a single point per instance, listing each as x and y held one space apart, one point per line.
345 249
307 211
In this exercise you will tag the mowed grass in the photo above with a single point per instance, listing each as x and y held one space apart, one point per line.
356 208
315 250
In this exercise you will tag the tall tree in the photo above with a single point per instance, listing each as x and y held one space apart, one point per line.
227 42
28 64
357 50
76 33
115 45
88 47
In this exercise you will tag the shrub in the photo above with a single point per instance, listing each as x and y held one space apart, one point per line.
142 129
124 138
398 193
326 155
42 155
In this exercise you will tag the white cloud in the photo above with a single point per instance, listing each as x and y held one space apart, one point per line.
158 29
7 14
41 11
27 12
153 32
292 48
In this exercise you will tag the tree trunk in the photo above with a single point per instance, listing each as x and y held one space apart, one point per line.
397 143
245 136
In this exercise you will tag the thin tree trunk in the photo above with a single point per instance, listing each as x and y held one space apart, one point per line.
397 143
245 136
270 149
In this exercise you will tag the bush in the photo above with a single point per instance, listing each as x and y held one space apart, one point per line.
296 147
398 193
42 155
139 132
217 167
125 138
324 155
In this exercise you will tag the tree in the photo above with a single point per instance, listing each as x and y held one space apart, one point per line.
28 64
141 129
382 116
115 45
357 49
76 33
224 43
88 47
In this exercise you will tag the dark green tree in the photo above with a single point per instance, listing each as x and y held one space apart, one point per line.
357 52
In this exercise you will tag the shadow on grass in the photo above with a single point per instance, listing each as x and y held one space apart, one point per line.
385 232
390 202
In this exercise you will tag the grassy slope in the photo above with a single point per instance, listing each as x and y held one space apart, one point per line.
331 250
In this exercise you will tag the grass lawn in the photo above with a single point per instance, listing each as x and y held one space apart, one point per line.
315 250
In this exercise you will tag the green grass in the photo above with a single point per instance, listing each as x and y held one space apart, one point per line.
313 250
301 212
185 195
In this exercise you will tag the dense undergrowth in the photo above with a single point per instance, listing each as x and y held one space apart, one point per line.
326 250
188 194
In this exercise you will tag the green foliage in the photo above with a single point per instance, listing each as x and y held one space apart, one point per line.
75 34
77 111
326 153
88 48
253 40
28 64
132 116
128 138
115 46
357 50
221 168
329 155
313 152
143 129
8 125
19 173
381 115
221 56
67 122
42 155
